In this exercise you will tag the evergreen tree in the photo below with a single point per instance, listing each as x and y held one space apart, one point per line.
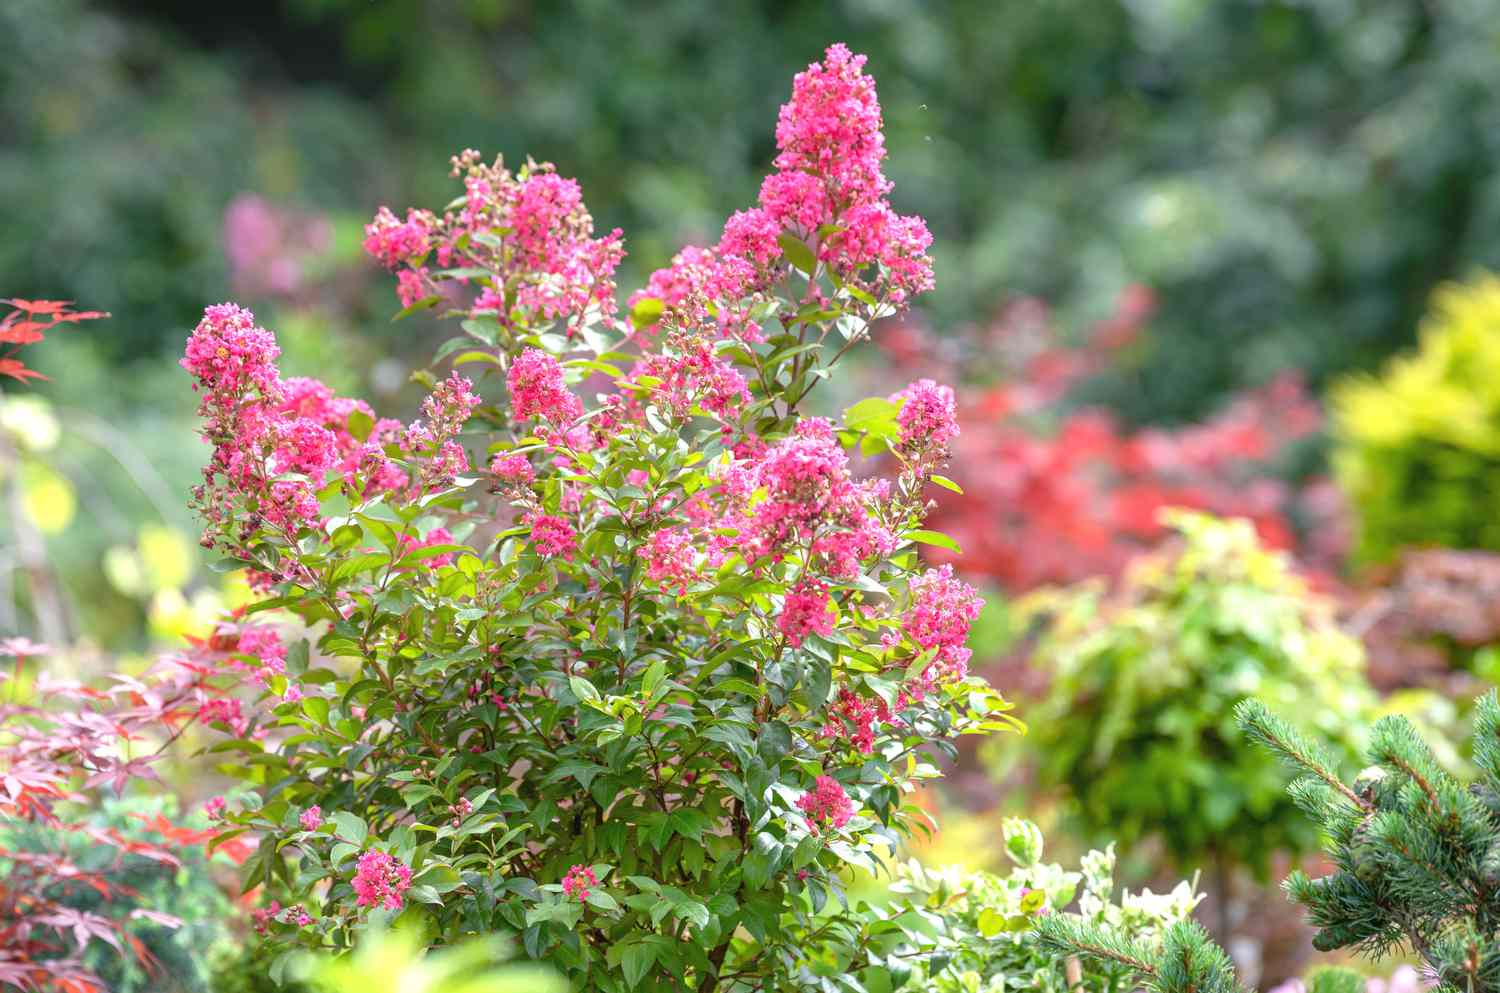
1418 857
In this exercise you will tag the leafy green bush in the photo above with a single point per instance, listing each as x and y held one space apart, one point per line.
987 922
1419 445
1137 724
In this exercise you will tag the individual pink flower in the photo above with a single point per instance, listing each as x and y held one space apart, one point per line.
537 389
553 536
826 804
380 880
214 808
806 610
311 818
577 882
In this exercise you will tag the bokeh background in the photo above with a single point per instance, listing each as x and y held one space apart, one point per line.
1177 242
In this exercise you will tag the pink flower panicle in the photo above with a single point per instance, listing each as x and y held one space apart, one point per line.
826 804
311 818
807 610
938 619
529 230
671 555
513 468
214 808
577 882
537 389
553 535
929 422
379 880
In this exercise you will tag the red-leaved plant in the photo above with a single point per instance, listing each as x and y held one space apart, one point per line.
27 323
639 676
62 744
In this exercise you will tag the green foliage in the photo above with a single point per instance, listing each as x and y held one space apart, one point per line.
1291 177
987 940
1416 855
1137 724
1419 445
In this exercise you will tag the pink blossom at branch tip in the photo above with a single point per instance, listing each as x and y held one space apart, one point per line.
826 803
311 818
513 468
214 808
553 536
537 388
577 882
228 354
938 619
379 881
832 126
671 556
928 420
752 233
225 711
807 610
391 241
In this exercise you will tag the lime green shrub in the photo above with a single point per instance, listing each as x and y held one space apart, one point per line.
1419 445
1138 727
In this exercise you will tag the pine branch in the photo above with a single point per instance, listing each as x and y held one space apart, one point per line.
1260 725
1071 936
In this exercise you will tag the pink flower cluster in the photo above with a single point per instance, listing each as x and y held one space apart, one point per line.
311 819
513 468
829 189
226 711
826 804
537 389
577 882
810 499
929 422
938 619
553 536
694 376
263 644
529 231
671 558
856 718
807 610
264 429
379 880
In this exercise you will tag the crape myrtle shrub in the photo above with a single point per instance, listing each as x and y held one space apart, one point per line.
1415 853
636 679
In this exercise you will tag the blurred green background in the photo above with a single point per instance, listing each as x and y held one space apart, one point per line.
1289 177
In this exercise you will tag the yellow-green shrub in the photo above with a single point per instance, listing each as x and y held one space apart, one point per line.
1419 445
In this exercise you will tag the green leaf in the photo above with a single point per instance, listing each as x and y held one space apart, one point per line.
874 415
655 673
584 690
936 538
316 707
797 252
946 483
636 961
360 424
351 828
647 311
